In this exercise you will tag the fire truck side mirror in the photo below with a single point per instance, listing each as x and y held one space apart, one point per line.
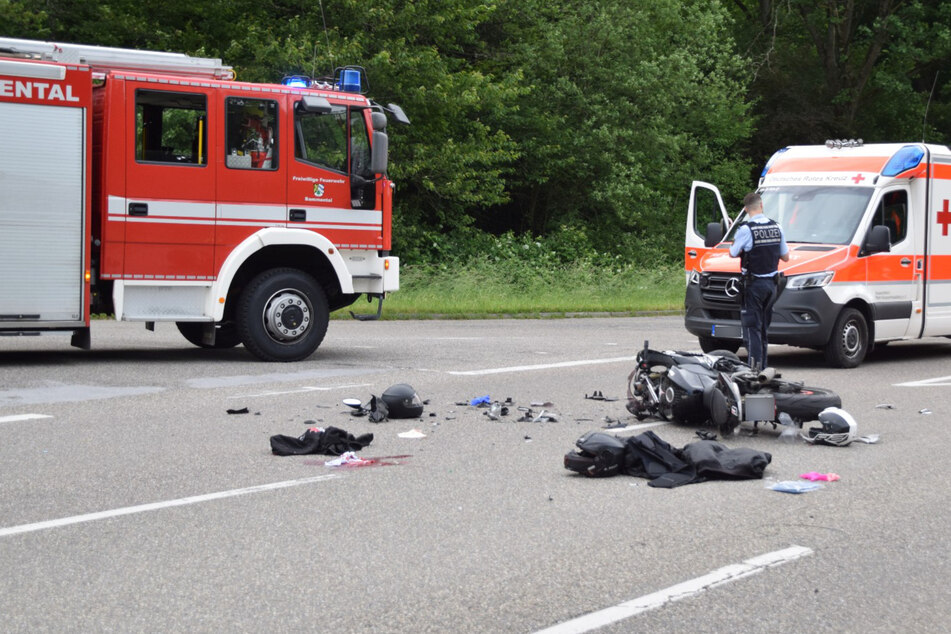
397 113
378 158
378 119
714 234
877 241
317 105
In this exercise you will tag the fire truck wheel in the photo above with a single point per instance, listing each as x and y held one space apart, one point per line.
709 344
226 335
282 315
849 342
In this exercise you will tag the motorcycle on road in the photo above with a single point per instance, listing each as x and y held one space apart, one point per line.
717 388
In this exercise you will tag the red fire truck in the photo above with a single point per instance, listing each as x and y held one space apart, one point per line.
155 187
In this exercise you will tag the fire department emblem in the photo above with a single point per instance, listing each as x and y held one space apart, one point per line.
318 190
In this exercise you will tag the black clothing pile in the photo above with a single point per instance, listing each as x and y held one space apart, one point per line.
648 456
331 441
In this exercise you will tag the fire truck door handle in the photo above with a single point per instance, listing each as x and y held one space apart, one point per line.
906 262
138 209
299 215
692 253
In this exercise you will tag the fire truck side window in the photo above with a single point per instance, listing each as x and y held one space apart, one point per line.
251 133
321 139
171 127
359 145
892 212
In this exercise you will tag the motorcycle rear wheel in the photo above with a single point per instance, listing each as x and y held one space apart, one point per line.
805 404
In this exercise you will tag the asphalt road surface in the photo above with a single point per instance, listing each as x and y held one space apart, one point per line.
130 500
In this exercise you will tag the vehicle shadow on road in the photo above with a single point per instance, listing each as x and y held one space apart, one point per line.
898 352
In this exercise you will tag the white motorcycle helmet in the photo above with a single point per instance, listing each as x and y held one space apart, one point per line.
838 428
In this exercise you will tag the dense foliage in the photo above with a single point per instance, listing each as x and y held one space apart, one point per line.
574 126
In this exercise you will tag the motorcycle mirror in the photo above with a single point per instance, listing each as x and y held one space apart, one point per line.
353 402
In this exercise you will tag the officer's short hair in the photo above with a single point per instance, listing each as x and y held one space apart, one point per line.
752 200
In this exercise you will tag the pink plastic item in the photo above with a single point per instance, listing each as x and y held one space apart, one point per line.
813 475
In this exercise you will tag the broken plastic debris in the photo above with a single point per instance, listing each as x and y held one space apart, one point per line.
542 404
871 439
924 410
795 486
545 417
884 406
243 410
825 477
480 400
348 459
413 433
598 396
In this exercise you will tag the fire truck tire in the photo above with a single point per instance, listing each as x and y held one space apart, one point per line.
849 342
282 315
226 335
709 344
806 403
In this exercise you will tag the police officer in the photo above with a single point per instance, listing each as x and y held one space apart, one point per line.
760 244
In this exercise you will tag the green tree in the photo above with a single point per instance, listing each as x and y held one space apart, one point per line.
628 102
846 68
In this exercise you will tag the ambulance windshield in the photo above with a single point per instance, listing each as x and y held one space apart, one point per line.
824 215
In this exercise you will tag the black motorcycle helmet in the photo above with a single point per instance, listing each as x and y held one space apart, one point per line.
402 401
600 455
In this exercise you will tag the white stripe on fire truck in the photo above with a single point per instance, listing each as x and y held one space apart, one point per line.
252 212
180 211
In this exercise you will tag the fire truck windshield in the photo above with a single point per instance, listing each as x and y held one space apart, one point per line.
824 215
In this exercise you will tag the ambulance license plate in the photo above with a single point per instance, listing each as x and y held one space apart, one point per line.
726 331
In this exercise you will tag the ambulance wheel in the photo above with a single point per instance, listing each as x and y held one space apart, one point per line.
849 342
226 335
709 344
806 403
282 315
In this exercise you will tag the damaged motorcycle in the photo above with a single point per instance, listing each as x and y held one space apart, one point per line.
717 388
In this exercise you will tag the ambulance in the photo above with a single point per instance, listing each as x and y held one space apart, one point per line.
870 251
155 187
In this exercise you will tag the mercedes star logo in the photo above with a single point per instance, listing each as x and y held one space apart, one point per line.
732 288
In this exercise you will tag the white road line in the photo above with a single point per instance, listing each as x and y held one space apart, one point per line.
542 366
684 590
940 381
19 417
156 506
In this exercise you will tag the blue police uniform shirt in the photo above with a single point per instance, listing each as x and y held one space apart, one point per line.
743 241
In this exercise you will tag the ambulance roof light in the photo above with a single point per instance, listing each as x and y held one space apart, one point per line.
769 163
838 144
904 159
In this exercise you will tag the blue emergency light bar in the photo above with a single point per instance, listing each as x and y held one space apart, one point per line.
904 159
296 81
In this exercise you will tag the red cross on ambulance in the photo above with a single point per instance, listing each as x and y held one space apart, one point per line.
944 218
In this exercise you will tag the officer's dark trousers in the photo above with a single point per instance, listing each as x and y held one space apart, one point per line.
755 316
